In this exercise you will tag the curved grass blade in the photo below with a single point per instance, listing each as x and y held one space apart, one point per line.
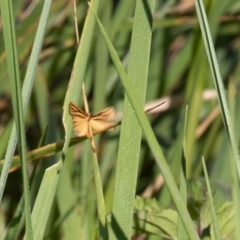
50 180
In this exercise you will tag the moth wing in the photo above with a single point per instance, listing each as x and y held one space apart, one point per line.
80 120
75 111
80 128
106 115
99 125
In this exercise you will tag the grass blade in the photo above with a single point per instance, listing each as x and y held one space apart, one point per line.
16 225
217 80
183 184
14 78
50 180
130 137
216 228
26 91
151 139
234 158
43 203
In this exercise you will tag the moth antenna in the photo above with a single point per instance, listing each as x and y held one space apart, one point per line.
150 109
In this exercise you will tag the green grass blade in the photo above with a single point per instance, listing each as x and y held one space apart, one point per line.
66 198
101 68
14 78
197 79
43 203
130 137
100 198
216 227
151 139
17 222
124 10
4 139
217 80
26 91
234 158
74 90
16 225
51 177
183 184
88 198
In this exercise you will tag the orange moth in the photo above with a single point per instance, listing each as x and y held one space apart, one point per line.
83 121
98 122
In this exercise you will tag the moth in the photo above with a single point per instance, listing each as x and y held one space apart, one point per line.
83 121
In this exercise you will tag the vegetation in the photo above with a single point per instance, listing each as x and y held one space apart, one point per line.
171 172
